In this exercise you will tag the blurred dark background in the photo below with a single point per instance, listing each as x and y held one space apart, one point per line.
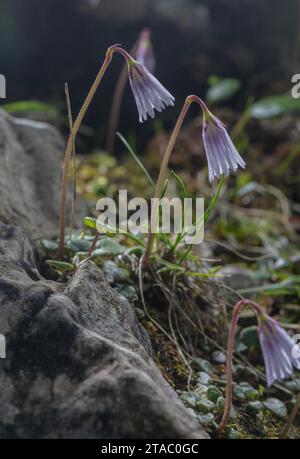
43 44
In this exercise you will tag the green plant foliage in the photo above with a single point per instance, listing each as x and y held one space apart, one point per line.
60 266
30 106
271 106
223 90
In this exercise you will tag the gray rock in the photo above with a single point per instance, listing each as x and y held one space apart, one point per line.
31 155
78 363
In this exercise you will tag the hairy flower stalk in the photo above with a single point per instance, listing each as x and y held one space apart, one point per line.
149 95
277 348
220 152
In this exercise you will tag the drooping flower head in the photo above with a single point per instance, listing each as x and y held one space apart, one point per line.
144 53
222 156
278 350
148 92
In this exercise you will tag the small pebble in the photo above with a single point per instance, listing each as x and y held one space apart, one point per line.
293 385
205 419
219 357
276 406
203 378
244 385
200 391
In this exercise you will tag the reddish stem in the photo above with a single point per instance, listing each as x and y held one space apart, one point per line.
164 166
117 100
93 245
109 54
230 346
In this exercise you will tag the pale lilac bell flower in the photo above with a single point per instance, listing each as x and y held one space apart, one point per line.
148 92
222 156
280 352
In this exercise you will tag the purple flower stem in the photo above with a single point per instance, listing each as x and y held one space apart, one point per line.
230 346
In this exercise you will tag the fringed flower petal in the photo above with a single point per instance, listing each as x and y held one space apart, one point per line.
222 156
148 92
277 348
